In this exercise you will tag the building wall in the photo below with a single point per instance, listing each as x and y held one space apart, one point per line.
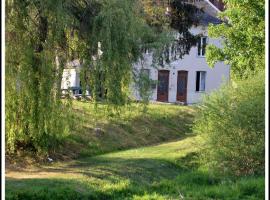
70 78
192 63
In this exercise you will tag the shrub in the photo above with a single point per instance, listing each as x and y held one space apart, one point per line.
144 85
232 122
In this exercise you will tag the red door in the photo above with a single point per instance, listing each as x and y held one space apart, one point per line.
163 85
182 86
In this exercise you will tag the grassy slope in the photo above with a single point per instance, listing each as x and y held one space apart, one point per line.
164 171
132 129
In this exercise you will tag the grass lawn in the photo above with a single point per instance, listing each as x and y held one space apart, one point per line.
168 170
131 129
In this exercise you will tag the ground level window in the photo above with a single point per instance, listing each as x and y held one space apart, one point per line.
200 81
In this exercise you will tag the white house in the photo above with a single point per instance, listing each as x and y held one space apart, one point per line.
184 80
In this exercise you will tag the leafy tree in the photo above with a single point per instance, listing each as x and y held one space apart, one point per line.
243 34
43 36
167 18
117 29
125 29
36 52
232 119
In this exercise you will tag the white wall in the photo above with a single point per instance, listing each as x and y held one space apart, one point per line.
70 78
191 63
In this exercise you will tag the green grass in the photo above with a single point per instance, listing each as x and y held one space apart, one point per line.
131 129
167 170
158 172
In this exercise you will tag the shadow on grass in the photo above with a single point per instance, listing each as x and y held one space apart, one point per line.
103 178
118 178
134 129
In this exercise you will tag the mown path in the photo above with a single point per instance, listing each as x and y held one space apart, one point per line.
166 171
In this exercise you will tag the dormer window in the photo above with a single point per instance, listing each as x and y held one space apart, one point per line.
202 42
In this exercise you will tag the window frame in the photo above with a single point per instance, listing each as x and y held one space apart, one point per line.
200 47
198 87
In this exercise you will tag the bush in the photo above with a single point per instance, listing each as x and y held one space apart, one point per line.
144 85
232 122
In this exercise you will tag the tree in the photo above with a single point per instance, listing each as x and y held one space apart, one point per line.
167 18
243 34
125 29
232 119
42 36
36 46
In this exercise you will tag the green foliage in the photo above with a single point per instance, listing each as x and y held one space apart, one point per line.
36 119
144 85
171 22
232 122
117 28
155 13
243 36
232 119
125 29
43 36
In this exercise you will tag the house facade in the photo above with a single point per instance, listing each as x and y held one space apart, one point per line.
184 80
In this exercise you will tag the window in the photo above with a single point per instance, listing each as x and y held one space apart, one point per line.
200 81
202 46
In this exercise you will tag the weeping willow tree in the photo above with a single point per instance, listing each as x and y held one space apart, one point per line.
36 50
41 37
117 32
107 36
125 29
